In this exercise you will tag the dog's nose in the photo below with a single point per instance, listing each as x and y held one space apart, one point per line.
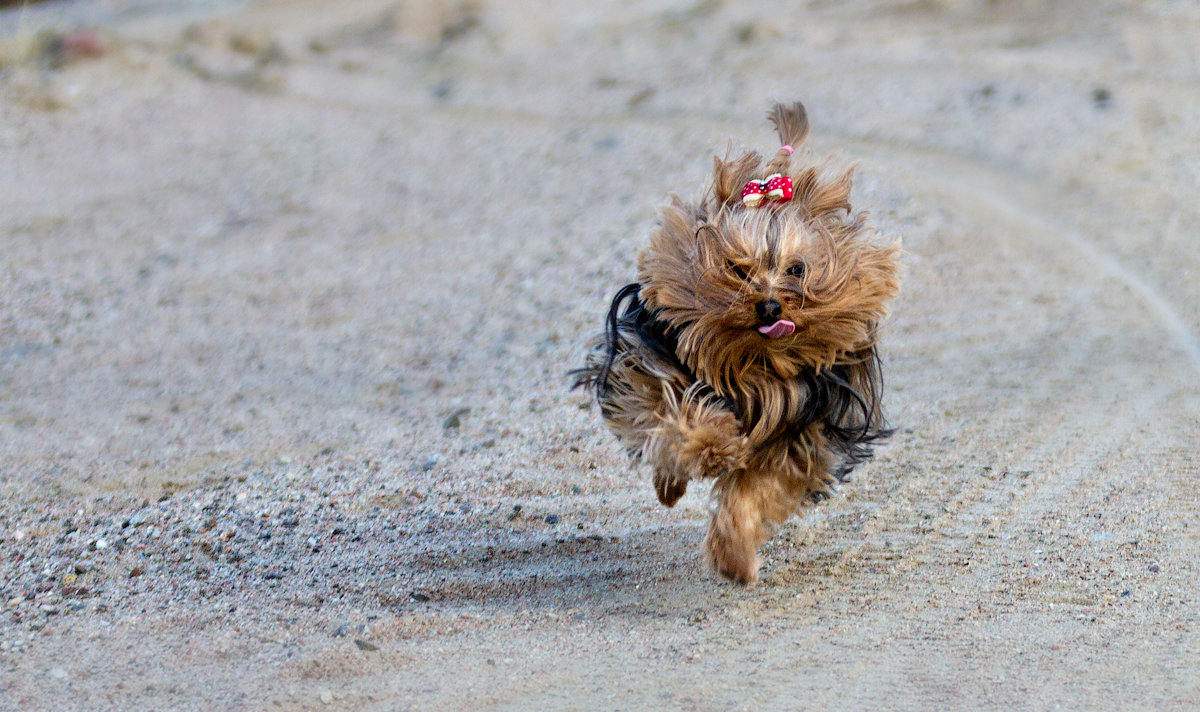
769 311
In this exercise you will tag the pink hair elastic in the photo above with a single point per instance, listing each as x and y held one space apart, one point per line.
787 148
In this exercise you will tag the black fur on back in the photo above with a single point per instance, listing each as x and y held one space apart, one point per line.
637 320
851 416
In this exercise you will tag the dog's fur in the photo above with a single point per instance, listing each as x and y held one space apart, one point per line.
690 386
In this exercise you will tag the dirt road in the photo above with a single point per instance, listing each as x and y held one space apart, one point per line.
289 296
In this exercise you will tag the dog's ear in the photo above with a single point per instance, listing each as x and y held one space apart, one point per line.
729 175
821 195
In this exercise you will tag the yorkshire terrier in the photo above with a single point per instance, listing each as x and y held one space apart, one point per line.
745 352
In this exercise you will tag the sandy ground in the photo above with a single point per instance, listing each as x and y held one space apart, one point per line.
287 298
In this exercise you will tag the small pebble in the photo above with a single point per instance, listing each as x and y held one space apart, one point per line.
1154 568
442 89
364 645
454 420
83 43
552 519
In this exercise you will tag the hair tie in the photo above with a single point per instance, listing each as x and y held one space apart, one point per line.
787 148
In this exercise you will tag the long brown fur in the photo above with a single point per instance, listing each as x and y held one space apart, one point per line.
691 387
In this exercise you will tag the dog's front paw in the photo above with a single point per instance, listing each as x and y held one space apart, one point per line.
713 447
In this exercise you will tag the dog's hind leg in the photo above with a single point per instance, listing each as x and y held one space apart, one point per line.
753 502
736 530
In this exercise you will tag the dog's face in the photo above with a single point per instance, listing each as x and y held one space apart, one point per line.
767 291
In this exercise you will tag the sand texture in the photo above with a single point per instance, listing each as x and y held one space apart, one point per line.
289 292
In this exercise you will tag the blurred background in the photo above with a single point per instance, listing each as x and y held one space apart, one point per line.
289 289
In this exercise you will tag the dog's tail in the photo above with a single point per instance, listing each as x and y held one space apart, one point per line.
792 124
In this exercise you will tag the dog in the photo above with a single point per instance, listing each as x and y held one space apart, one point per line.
745 352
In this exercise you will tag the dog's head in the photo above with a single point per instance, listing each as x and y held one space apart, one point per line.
776 289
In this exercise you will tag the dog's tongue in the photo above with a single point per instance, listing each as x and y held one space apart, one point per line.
783 327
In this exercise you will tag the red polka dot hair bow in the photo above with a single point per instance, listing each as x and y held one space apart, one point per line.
775 188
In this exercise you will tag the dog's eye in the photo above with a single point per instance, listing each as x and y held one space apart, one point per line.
741 273
796 270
